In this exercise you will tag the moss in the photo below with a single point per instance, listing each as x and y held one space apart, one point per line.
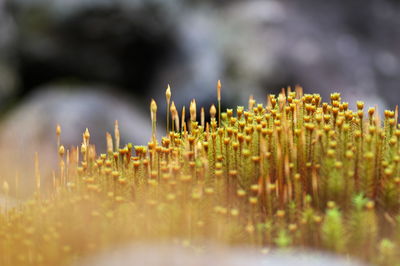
296 172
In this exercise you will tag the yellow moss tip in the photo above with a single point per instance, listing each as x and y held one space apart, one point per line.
370 205
173 105
6 188
360 105
153 109
173 109
153 106
193 110
252 102
87 134
110 147
61 150
116 129
58 130
168 93
213 111
371 111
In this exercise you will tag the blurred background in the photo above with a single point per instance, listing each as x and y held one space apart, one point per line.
85 63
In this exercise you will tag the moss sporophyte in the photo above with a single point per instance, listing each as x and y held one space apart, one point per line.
296 172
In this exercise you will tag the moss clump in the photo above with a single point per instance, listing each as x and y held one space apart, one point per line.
297 172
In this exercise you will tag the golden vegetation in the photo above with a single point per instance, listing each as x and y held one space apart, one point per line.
297 172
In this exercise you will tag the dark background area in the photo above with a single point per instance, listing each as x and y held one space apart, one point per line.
85 63
136 47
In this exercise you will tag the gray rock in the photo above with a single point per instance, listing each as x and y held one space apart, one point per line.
324 47
8 36
123 43
255 46
31 127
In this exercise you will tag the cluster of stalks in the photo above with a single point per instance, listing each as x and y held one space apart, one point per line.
294 173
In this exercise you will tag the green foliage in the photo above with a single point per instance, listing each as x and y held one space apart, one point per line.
283 239
387 253
333 234
363 227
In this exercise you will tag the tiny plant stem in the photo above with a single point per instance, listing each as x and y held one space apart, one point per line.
219 101
168 98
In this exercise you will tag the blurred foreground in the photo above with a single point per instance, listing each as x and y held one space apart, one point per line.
212 255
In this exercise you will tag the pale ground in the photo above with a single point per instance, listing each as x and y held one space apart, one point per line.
212 255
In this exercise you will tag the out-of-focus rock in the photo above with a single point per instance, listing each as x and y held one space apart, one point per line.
123 43
323 46
253 46
198 62
31 127
139 46
157 255
8 76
